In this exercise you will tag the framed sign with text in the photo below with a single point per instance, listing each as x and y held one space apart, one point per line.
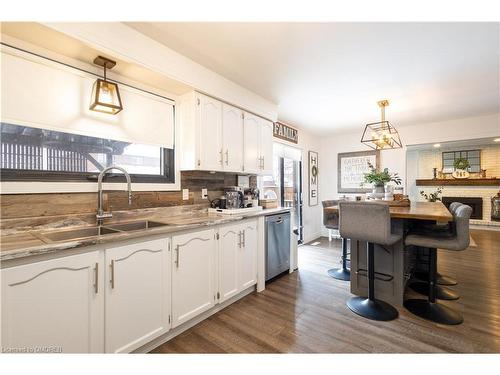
351 169
313 178
285 132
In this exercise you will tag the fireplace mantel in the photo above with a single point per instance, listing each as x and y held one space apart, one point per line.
459 182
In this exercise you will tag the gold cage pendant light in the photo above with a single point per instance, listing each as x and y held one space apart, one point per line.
381 135
105 94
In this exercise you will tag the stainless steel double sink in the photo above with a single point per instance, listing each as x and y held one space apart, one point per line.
86 232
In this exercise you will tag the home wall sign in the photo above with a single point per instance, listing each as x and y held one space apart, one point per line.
285 132
313 178
351 170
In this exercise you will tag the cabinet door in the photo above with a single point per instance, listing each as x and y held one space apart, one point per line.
266 146
55 305
193 275
210 133
230 243
137 294
247 257
252 134
232 135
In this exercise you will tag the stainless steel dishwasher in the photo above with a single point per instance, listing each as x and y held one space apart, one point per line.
277 244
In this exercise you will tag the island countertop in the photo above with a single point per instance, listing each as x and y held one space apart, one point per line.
25 242
417 210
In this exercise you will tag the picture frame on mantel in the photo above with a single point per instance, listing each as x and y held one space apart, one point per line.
313 178
351 168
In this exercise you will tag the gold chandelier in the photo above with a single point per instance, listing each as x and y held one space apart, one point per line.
381 135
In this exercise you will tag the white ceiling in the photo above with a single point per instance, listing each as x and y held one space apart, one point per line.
327 77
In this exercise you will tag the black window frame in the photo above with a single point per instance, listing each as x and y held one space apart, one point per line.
30 175
461 154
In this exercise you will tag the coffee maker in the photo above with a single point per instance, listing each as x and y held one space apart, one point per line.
234 197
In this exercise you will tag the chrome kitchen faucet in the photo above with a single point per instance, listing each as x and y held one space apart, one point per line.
101 215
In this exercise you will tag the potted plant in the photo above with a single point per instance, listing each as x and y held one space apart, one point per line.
379 178
432 197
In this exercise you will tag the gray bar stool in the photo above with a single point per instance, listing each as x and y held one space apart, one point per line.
370 222
331 221
447 230
430 309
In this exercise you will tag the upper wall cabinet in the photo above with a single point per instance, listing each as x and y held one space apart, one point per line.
46 94
216 136
258 151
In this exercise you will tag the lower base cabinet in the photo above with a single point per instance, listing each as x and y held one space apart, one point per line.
137 294
118 299
237 258
54 306
193 275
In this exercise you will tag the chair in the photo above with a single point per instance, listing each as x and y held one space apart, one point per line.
370 222
430 309
446 230
331 221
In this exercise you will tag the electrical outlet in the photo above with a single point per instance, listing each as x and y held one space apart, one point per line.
185 194
204 193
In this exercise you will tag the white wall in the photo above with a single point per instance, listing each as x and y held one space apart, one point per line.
452 130
122 42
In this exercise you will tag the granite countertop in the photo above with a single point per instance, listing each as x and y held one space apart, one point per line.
25 241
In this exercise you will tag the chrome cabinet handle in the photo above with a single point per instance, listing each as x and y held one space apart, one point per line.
96 285
177 256
112 280
227 156
279 221
239 239
263 163
244 239
221 161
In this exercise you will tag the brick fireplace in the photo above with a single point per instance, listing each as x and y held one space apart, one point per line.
475 202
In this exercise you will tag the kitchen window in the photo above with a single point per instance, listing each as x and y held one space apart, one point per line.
32 154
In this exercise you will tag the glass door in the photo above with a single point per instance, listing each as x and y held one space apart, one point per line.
285 184
290 183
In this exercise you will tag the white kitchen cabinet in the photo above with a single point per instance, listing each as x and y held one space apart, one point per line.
193 275
258 152
216 136
266 146
54 305
237 258
232 138
230 242
247 255
209 124
252 134
137 294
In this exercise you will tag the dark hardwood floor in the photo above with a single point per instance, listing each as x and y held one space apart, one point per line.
305 312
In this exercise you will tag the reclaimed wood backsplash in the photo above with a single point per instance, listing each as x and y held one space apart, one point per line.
30 205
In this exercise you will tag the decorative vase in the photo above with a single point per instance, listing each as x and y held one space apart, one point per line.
378 191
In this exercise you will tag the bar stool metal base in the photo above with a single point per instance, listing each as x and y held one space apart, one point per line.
340 274
372 309
441 279
435 312
441 293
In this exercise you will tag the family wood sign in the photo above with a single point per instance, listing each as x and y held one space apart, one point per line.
285 132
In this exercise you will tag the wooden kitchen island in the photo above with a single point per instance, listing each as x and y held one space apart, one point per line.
393 264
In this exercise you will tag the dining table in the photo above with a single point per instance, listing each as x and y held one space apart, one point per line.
394 264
